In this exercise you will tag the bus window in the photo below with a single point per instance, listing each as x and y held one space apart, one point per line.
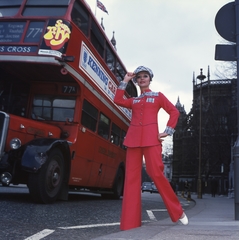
41 108
63 109
80 17
97 39
115 134
110 58
89 116
122 136
9 8
104 126
13 96
54 109
120 72
45 8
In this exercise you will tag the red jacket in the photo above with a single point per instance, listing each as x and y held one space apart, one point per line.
143 130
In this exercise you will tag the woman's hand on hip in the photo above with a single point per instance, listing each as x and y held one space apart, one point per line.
161 136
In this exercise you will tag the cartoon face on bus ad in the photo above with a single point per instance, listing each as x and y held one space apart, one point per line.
56 37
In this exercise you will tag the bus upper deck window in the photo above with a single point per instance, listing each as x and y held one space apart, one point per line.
120 72
97 39
45 8
80 17
9 8
110 58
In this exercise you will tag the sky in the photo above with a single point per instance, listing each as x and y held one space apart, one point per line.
173 38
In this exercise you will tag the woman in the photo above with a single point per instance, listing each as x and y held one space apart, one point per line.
143 138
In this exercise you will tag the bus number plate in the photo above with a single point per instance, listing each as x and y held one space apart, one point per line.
34 32
69 89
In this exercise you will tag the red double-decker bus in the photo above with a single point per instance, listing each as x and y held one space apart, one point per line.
59 127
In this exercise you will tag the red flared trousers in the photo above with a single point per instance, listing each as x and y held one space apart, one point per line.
131 206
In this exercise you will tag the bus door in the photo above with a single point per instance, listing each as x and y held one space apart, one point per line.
101 154
81 165
85 146
115 156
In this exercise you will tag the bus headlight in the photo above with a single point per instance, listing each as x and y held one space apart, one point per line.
15 143
6 178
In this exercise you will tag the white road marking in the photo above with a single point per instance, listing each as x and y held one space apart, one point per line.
40 235
47 232
92 225
151 215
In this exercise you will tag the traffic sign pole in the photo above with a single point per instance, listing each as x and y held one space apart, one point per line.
236 147
227 25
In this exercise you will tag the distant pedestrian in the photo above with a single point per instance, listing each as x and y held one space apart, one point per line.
176 189
186 186
213 187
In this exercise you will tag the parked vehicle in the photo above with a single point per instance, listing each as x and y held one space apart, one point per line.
154 189
146 187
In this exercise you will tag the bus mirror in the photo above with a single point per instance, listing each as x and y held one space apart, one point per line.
68 58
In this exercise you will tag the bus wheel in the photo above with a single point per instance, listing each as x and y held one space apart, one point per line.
119 184
45 186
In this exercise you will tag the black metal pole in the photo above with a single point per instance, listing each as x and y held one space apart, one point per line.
236 147
201 77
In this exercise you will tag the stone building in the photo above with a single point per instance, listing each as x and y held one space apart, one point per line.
208 154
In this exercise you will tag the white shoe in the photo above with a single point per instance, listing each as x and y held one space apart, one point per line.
183 219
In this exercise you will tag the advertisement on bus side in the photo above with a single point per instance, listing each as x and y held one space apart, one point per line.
55 39
89 64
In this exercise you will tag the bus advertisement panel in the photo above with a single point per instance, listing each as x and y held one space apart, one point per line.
89 64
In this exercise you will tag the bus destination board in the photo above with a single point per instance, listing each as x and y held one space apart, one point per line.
11 32
34 32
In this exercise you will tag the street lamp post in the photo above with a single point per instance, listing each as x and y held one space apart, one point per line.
201 77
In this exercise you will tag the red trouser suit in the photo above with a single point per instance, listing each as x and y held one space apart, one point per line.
131 208
142 139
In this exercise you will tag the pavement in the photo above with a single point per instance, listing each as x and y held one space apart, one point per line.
212 218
